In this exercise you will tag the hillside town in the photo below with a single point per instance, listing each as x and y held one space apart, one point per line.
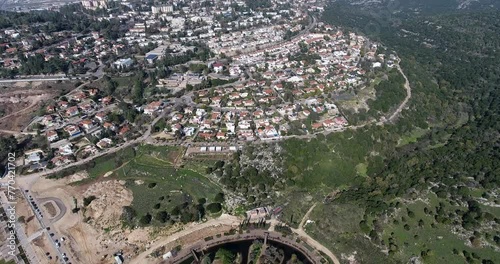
228 73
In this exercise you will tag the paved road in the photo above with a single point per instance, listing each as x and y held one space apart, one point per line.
315 244
35 80
21 235
56 77
99 154
194 227
227 220
186 253
59 203
15 133
57 249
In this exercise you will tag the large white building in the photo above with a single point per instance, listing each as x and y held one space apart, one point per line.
162 9
89 4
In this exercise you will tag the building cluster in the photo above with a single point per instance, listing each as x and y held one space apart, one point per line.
95 4
83 53
280 77
78 125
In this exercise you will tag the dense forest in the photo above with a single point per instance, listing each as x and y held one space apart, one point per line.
69 18
444 150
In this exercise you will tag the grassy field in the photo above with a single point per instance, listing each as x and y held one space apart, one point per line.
336 160
412 137
7 262
295 205
361 169
417 238
336 226
154 180
109 163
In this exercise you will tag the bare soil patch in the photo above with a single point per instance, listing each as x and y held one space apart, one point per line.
41 245
19 103
30 224
94 233
50 209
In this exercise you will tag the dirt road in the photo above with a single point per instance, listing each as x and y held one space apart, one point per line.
304 219
224 219
315 244
407 98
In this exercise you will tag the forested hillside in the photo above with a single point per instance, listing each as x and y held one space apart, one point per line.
422 6
426 187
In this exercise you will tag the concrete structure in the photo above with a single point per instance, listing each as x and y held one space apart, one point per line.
123 63
162 9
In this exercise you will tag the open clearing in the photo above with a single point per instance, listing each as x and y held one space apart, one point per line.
87 241
143 175
153 179
20 103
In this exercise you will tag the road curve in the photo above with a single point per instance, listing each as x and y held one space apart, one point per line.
59 203
315 244
224 219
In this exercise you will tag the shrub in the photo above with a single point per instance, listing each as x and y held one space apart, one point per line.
146 219
162 216
88 200
128 214
214 207
219 198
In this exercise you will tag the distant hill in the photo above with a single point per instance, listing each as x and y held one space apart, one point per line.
424 6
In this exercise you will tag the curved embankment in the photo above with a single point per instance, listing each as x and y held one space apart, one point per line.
268 236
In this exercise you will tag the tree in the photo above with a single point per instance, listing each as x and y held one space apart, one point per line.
219 164
219 198
202 201
214 208
162 216
88 200
176 211
128 214
224 255
145 219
